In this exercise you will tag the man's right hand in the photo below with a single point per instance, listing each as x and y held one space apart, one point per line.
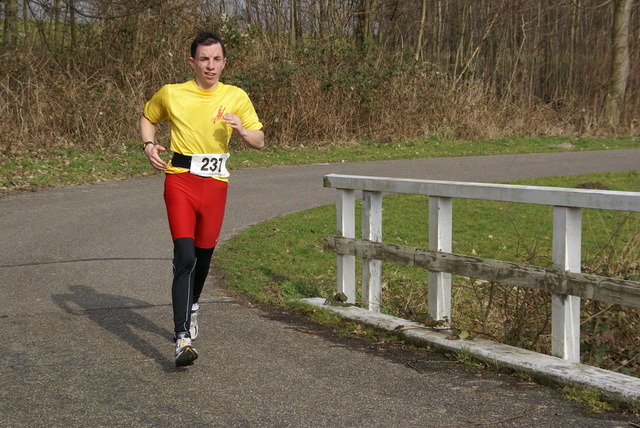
152 152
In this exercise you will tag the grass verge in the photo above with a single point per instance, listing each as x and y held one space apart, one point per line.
64 166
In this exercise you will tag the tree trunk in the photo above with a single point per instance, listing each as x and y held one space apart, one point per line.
423 18
293 6
56 25
10 25
366 21
322 18
619 62
72 25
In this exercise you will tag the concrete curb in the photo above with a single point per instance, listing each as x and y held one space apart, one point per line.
545 368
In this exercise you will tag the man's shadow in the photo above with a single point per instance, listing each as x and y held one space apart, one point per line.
116 314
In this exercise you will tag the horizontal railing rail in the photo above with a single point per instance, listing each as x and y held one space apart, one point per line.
594 287
556 196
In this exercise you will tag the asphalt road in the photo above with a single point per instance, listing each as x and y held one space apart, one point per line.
86 323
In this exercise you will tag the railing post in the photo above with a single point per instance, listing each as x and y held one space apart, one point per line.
440 237
565 310
372 269
346 217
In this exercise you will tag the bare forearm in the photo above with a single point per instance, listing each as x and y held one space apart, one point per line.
148 133
253 139
147 130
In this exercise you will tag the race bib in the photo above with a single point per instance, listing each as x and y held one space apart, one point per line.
209 165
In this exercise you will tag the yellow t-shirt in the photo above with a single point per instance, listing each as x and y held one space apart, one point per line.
196 117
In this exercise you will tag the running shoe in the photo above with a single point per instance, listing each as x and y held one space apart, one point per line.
193 328
186 354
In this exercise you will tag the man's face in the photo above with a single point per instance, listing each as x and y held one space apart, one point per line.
208 65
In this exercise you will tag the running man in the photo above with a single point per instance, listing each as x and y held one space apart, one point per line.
204 113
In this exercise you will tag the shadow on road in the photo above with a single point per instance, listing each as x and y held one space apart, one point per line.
117 315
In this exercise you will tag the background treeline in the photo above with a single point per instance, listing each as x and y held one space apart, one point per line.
76 73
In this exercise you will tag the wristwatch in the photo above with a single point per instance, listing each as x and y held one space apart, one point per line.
144 145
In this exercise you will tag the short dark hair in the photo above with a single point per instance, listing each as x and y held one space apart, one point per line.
207 38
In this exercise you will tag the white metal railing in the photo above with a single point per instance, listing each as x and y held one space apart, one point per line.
564 280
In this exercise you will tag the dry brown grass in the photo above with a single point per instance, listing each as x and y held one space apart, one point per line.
311 94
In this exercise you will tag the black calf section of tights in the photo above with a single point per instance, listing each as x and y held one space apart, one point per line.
190 270
184 263
203 262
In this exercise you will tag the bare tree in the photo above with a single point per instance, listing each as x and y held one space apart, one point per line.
423 18
294 20
10 32
619 61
